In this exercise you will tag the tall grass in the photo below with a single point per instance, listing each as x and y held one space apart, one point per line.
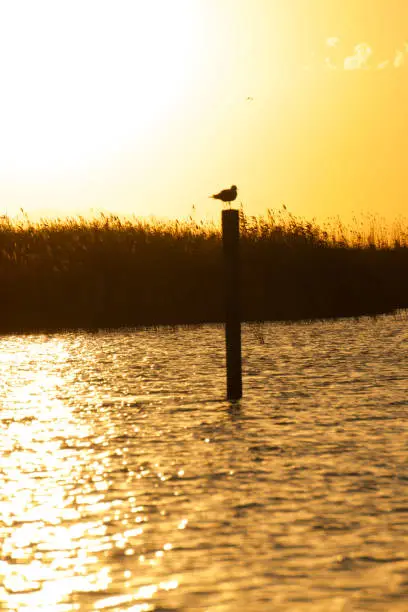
111 272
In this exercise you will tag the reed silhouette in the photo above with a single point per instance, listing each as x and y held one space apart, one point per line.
109 272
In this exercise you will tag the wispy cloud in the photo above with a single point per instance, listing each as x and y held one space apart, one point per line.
332 41
330 64
359 60
362 57
399 59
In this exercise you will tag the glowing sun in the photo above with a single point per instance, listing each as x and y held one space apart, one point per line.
83 79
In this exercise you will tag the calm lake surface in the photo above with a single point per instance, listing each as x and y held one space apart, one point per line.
129 483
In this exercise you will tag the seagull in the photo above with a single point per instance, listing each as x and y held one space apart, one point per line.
226 195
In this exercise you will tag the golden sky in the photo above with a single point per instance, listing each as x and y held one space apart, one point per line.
149 106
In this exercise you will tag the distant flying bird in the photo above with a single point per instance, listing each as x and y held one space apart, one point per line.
226 195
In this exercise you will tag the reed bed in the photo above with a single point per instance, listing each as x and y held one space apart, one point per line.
111 272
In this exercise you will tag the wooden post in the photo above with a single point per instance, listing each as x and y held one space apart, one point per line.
230 242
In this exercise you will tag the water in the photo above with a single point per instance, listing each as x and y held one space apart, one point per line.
129 483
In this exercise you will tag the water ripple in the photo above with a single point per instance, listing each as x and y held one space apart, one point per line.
128 483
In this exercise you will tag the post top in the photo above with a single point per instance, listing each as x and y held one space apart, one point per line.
230 212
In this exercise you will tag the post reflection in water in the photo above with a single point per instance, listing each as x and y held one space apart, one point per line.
128 482
60 530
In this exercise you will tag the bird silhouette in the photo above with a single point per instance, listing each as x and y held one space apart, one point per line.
226 195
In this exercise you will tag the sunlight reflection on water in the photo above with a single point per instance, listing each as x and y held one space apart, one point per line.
128 483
